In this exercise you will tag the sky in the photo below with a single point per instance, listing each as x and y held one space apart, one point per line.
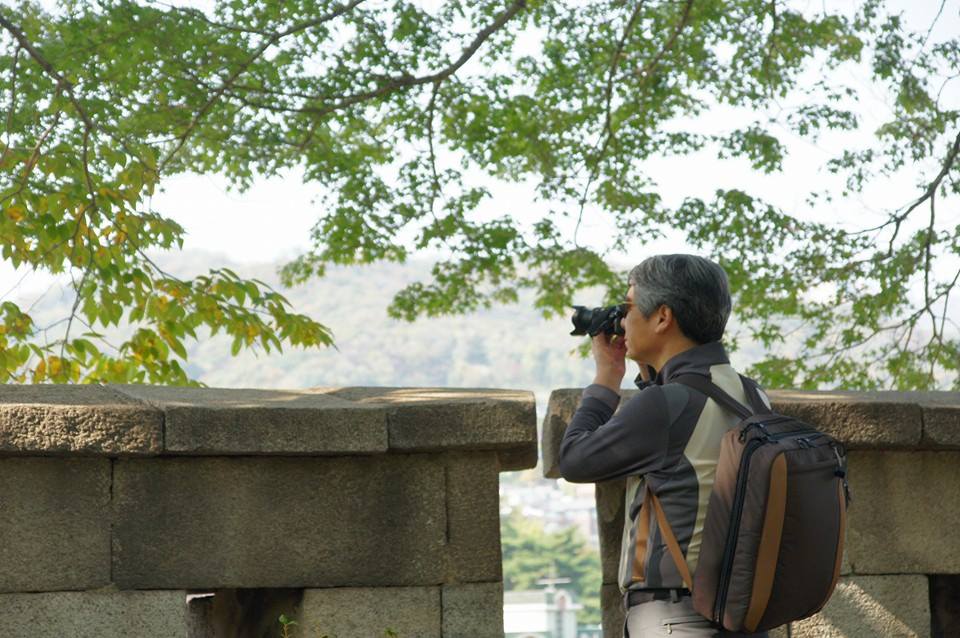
272 220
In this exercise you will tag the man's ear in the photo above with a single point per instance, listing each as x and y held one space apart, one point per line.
664 318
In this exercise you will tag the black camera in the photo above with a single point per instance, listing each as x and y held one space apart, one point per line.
593 321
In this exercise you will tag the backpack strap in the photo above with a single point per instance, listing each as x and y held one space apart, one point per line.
753 396
668 536
715 392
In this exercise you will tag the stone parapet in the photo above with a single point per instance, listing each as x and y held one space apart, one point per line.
314 501
138 420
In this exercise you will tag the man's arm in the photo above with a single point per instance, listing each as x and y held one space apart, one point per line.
600 446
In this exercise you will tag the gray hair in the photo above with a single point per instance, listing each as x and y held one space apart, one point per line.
694 288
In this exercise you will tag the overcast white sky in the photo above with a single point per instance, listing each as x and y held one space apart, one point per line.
272 220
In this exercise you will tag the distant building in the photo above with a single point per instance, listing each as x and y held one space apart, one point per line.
545 613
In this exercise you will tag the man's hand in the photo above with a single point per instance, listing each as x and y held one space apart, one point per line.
609 351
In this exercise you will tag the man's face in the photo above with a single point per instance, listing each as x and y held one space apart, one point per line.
638 330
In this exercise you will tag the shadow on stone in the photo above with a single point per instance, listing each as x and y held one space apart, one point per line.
944 606
251 613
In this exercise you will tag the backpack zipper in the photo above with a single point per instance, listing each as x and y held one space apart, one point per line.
738 498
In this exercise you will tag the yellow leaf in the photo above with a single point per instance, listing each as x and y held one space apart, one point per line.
16 213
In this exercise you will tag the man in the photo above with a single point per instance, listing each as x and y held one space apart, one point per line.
667 437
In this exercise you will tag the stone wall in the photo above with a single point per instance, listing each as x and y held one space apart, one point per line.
902 559
351 510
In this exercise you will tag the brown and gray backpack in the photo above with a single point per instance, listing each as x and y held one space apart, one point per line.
773 536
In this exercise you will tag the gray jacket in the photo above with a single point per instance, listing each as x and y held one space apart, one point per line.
667 436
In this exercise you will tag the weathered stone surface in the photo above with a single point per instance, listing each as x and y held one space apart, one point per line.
55 524
473 610
345 612
237 421
610 516
611 603
451 418
862 420
473 517
74 419
904 513
96 614
871 606
278 522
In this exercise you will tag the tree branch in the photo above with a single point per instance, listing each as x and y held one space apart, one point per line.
405 81
644 75
227 83
898 219
62 82
13 101
608 111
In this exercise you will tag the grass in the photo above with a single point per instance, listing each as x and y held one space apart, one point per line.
287 624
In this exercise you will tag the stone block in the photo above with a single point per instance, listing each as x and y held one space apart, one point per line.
941 419
76 419
611 603
452 418
278 522
862 420
610 515
561 407
55 524
473 517
901 512
871 606
516 459
473 610
348 612
238 421
96 614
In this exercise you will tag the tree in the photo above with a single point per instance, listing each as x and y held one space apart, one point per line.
397 110
531 554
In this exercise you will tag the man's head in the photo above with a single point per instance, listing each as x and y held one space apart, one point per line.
683 301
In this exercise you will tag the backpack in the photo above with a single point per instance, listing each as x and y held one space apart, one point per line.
774 530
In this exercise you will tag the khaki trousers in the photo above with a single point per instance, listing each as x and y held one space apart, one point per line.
674 619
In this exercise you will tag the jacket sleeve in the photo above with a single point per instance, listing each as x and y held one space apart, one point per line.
600 445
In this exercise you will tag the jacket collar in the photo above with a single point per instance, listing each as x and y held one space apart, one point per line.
696 360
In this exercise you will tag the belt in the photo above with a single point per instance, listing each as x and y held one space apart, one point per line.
639 596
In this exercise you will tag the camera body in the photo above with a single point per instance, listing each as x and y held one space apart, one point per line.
593 321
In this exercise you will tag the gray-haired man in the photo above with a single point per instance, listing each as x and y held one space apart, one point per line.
667 437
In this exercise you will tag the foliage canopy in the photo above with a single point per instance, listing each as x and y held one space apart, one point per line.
397 108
